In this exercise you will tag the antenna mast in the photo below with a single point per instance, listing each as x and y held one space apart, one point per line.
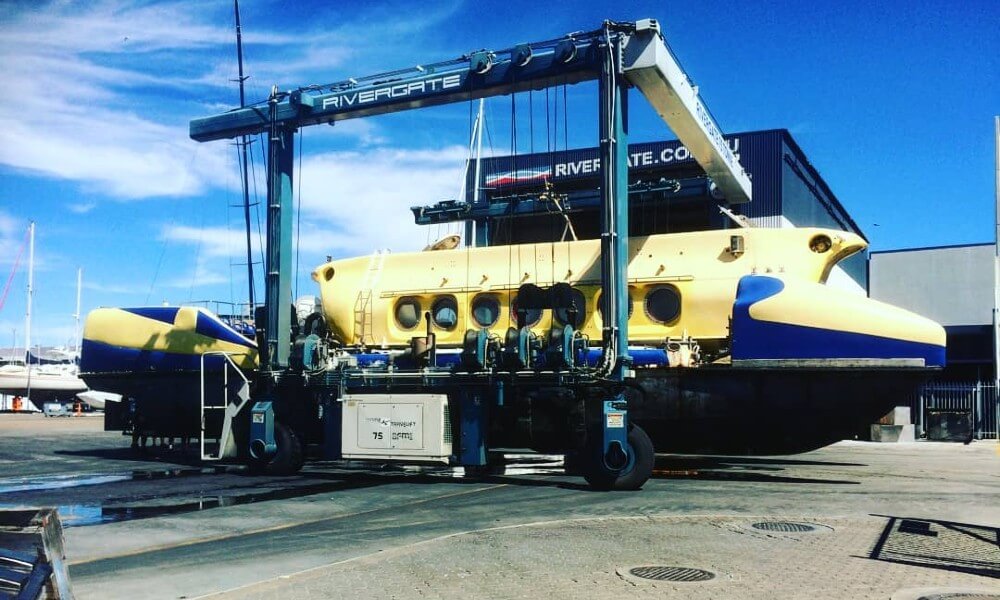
31 293
243 162
76 315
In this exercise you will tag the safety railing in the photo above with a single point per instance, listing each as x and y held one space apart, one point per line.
231 409
978 399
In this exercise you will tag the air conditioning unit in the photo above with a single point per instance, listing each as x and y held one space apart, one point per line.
413 427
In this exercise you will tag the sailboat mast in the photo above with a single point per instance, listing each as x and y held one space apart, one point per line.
243 164
76 315
479 151
477 140
27 314
31 291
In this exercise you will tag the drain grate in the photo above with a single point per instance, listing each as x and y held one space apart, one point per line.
784 526
960 596
665 573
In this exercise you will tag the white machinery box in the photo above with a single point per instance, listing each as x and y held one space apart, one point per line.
396 427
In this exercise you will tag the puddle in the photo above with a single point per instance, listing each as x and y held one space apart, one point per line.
81 515
35 484
58 482
350 476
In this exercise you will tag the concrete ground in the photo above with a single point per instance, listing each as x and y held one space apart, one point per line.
880 521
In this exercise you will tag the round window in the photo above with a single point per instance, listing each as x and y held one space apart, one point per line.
600 305
485 310
444 312
663 304
533 316
408 312
580 304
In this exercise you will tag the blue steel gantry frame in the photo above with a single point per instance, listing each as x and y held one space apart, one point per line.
572 59
616 55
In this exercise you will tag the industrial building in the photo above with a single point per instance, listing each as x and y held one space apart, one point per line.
954 285
530 197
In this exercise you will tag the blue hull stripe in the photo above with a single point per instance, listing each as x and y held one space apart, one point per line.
98 357
641 357
765 340
209 327
754 339
165 314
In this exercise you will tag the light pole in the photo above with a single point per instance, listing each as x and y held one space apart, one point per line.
996 278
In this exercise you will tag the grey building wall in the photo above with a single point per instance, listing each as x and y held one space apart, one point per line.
806 201
952 285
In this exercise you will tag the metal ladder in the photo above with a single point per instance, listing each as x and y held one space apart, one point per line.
233 403
363 305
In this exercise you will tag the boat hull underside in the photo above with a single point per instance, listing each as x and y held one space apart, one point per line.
158 404
761 411
711 410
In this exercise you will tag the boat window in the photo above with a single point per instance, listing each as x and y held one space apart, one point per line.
600 305
408 312
580 303
485 310
663 304
533 316
444 312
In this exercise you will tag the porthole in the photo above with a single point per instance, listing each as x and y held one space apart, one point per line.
820 243
328 273
600 305
663 304
408 313
444 312
532 316
580 303
485 310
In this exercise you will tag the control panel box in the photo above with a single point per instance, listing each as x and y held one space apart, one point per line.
414 427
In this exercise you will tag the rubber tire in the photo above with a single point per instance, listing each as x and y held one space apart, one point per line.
641 448
289 457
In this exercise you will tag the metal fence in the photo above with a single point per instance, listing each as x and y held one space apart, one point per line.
978 399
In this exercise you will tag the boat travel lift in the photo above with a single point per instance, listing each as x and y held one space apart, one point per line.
618 56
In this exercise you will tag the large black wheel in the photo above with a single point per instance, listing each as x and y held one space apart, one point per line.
637 471
288 458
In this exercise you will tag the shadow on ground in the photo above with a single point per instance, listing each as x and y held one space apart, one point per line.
936 544
751 469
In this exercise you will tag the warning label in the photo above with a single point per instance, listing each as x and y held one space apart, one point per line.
616 420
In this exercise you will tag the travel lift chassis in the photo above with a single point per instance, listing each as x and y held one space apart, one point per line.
308 390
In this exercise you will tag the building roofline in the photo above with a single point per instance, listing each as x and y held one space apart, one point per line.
821 183
786 136
921 248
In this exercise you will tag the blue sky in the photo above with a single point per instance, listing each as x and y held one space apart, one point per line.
893 103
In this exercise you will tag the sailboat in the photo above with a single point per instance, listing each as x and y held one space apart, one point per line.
40 383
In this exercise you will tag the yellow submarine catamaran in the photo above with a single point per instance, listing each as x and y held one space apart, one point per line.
714 341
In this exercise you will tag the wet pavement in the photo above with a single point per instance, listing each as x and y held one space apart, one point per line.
158 525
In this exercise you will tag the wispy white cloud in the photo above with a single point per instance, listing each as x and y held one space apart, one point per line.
352 203
112 84
12 237
361 201
115 288
81 208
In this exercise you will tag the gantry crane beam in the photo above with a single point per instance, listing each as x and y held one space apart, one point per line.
616 55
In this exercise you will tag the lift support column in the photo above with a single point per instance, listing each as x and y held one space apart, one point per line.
278 282
613 116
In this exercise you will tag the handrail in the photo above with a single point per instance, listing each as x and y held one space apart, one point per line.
224 434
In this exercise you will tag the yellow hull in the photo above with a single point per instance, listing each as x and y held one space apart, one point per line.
700 270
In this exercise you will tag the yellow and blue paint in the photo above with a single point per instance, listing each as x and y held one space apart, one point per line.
160 339
774 319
